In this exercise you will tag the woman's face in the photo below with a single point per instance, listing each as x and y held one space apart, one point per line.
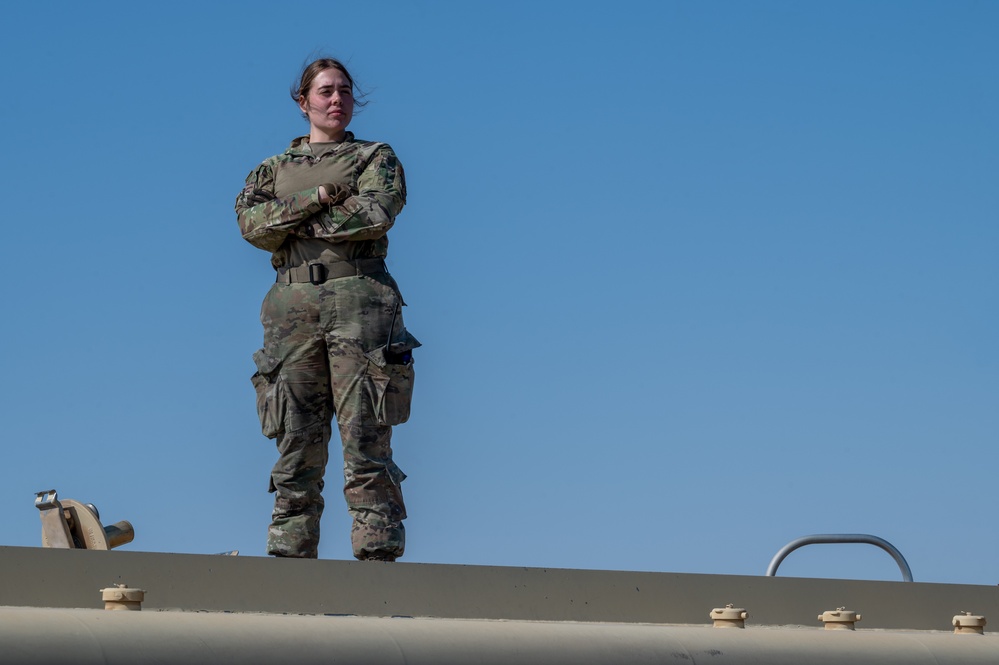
329 105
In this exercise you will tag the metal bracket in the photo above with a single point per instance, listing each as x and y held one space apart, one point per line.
69 524
55 531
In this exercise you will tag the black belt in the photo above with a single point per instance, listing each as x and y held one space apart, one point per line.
317 273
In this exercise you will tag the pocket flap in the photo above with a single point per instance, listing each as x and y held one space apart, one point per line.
381 356
407 343
266 364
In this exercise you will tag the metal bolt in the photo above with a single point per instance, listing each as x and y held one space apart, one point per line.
839 619
729 617
967 623
121 597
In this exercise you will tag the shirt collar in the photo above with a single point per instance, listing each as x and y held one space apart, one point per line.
300 145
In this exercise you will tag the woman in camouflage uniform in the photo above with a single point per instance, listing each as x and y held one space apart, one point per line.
334 339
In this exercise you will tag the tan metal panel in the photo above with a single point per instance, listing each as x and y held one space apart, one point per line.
72 578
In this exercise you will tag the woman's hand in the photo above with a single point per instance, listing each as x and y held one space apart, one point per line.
333 194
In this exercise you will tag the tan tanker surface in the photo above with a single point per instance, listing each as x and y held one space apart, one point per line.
221 609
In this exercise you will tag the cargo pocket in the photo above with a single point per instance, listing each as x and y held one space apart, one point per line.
390 380
272 404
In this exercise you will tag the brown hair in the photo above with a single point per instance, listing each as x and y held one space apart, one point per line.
300 88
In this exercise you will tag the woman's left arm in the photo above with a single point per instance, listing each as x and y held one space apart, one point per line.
264 219
369 214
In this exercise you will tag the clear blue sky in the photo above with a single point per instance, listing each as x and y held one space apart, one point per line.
693 278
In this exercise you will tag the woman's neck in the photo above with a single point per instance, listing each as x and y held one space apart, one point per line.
317 135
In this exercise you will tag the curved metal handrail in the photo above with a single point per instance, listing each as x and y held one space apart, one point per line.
829 538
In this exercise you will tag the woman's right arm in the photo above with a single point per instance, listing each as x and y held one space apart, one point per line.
264 219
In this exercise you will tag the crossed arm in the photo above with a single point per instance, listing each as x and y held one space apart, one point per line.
333 212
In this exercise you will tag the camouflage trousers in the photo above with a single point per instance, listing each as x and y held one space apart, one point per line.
335 349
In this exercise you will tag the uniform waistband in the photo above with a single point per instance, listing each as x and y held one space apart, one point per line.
318 272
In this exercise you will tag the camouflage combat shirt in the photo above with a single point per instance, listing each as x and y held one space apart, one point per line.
279 209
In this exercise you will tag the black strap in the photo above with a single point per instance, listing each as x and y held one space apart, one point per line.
318 272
